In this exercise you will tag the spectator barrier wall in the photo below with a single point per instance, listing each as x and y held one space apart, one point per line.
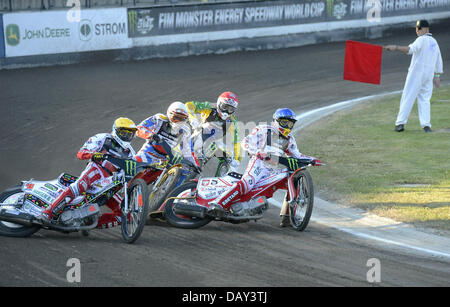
74 35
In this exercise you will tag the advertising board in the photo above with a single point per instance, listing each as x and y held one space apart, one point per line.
157 21
34 33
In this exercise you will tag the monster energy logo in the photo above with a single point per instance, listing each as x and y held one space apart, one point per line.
293 164
130 167
132 21
330 4
211 149
176 158
139 22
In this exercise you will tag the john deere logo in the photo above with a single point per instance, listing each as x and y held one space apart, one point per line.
85 30
12 34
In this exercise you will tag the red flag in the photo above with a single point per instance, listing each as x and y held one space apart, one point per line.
362 62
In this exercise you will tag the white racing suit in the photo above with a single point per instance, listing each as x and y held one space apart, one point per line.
157 129
263 141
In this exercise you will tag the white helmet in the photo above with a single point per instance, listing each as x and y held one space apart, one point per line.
177 112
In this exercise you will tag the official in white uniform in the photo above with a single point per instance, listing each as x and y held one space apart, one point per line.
424 70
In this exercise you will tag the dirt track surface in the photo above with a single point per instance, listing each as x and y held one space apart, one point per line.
48 113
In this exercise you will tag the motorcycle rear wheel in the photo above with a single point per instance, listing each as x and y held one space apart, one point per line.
133 222
11 229
183 221
300 211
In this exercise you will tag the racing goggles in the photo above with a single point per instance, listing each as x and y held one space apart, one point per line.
286 123
226 108
178 117
126 134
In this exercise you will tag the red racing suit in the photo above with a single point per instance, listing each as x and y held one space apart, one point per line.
96 174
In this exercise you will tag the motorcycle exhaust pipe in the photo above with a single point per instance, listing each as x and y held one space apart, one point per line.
21 219
189 210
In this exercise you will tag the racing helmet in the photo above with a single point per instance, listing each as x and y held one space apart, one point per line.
227 104
177 112
124 129
284 120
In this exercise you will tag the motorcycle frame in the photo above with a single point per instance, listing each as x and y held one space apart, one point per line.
286 183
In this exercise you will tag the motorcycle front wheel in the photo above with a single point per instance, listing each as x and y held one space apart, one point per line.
11 229
165 186
133 221
181 221
301 209
222 168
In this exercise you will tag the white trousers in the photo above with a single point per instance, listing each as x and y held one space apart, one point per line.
418 85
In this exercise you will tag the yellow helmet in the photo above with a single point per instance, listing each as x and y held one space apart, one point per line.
124 129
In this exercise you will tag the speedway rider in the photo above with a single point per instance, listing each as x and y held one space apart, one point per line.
215 121
171 129
98 171
263 141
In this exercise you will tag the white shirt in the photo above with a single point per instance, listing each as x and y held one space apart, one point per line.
426 55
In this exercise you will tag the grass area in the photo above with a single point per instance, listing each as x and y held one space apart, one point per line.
404 176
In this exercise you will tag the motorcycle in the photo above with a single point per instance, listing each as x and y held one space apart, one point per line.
165 176
176 170
187 206
21 205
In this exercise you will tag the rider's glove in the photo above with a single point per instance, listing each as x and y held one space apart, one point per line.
234 163
317 162
263 156
156 138
97 157
198 169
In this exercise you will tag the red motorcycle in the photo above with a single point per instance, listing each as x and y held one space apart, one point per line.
187 206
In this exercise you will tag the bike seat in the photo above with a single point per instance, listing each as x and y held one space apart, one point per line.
67 179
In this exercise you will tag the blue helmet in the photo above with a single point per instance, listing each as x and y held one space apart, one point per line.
284 120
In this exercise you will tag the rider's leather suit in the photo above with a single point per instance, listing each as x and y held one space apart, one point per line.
157 129
263 141
213 128
96 174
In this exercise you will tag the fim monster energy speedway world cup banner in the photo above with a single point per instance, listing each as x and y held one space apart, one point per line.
153 21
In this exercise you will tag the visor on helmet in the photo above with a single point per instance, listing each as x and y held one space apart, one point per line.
227 108
177 117
125 135
286 123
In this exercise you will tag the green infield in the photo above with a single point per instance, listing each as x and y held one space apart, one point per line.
401 175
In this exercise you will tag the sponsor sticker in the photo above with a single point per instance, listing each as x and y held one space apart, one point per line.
49 32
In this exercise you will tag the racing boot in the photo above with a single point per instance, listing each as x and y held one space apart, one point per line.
285 221
284 213
60 202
